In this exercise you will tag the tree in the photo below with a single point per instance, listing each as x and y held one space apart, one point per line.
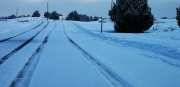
12 16
73 16
76 16
80 17
113 12
178 15
95 18
60 15
36 14
70 15
54 15
131 16
84 18
28 15
47 14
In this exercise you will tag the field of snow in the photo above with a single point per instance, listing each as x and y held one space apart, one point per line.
163 37
37 53
12 25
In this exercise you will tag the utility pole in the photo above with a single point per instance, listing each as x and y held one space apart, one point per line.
111 4
101 24
47 11
17 12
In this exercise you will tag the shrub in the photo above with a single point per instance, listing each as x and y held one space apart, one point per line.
131 16
47 14
73 16
36 14
12 17
178 15
54 15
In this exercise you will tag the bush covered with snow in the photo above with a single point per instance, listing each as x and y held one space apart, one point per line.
178 15
131 16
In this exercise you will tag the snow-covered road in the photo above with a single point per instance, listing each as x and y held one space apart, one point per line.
73 54
62 65
13 63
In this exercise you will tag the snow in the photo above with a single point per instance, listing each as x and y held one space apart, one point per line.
138 68
66 64
15 24
15 42
76 54
153 40
14 64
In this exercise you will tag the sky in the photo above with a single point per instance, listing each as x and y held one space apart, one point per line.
160 8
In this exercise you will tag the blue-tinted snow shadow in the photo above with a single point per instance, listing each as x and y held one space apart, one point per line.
109 31
105 31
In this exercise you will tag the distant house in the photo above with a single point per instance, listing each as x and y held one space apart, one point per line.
60 16
164 18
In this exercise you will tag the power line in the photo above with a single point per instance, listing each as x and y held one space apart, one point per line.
111 4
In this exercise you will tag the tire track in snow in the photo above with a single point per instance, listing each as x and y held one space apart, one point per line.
24 76
111 76
162 59
21 33
3 59
168 52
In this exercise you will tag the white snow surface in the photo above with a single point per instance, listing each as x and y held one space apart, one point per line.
143 60
12 25
76 54
65 65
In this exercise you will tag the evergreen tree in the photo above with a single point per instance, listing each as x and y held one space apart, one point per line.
69 17
131 16
36 14
76 16
54 15
47 14
12 17
28 15
178 15
84 18
95 18
79 17
60 15
73 16
112 12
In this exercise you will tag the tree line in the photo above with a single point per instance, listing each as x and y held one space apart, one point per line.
54 15
130 16
80 17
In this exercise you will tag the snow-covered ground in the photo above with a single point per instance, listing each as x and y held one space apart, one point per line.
141 59
75 54
163 37
15 24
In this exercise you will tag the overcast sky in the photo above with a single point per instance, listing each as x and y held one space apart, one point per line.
160 8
